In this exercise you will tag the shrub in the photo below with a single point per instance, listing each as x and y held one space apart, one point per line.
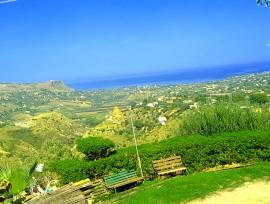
259 98
222 118
71 170
197 152
138 124
95 147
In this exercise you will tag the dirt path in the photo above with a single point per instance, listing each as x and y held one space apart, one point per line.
249 193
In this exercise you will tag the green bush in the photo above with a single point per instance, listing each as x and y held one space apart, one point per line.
222 118
197 152
259 98
95 147
71 170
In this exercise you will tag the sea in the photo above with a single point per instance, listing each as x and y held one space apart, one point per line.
183 76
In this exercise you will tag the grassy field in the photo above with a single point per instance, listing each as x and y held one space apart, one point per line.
183 189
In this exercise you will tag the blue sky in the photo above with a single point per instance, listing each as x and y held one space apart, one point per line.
65 39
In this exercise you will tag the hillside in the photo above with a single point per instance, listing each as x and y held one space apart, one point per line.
44 137
113 128
55 123
49 85
207 124
45 110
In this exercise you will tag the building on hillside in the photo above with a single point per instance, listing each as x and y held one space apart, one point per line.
193 106
162 120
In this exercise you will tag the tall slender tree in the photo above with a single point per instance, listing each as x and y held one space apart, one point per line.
263 2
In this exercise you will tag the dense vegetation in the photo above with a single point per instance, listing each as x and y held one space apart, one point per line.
197 152
259 98
43 122
95 147
223 118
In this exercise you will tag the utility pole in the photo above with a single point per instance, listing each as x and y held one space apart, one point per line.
135 140
230 97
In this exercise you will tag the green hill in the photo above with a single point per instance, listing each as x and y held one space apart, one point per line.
54 123
48 136
49 85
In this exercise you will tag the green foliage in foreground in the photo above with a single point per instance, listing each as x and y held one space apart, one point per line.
20 178
95 147
223 118
197 152
186 188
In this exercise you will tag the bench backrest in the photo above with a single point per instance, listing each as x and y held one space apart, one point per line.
167 164
120 177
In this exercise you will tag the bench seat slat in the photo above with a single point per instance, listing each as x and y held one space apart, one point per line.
120 175
167 159
171 171
115 175
120 179
168 166
174 162
170 160
125 182
166 163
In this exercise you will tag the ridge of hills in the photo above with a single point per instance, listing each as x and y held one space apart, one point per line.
49 117
55 85
55 122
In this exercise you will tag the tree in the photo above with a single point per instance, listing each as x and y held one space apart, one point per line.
138 124
95 147
263 2
259 98
117 116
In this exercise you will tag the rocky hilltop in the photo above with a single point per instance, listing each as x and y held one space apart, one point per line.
50 85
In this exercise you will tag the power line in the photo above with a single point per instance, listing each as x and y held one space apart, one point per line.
7 1
136 145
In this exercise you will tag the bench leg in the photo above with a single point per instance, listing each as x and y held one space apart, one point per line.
162 177
181 172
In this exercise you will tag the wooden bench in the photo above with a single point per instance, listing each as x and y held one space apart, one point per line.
121 179
169 165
